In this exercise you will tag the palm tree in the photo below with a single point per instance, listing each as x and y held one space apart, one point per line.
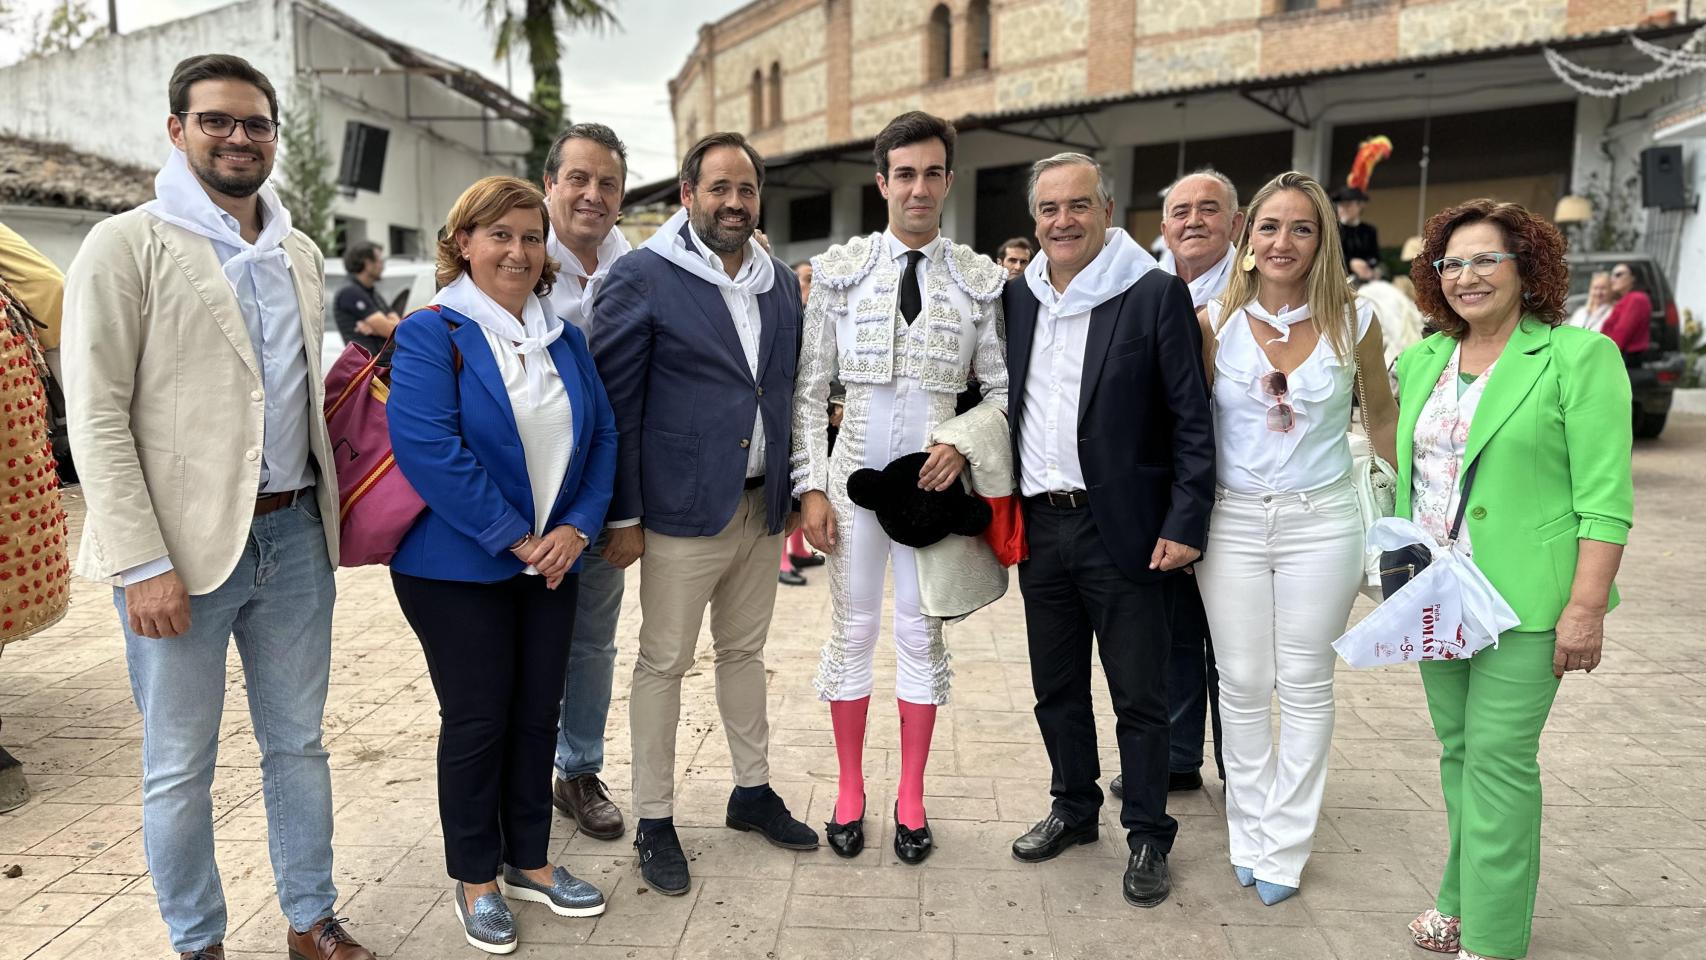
536 23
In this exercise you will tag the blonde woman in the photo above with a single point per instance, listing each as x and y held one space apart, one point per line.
1285 540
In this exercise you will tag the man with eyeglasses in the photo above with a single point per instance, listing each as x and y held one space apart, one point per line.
1630 324
192 362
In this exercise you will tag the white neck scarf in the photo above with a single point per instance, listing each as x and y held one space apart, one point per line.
1120 264
1281 321
610 249
670 245
1212 283
537 329
180 200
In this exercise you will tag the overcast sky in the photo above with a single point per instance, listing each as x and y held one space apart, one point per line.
619 78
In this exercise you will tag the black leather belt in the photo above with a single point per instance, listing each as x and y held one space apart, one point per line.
1064 499
753 483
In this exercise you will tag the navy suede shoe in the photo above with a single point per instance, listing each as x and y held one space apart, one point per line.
767 814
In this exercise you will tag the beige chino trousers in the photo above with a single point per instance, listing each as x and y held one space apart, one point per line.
734 573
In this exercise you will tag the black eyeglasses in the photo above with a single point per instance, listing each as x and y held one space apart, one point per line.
220 126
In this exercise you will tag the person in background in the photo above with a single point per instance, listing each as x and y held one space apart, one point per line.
699 331
1630 323
1285 545
1014 256
797 555
40 287
1359 240
585 172
208 514
1114 450
361 314
499 422
1591 315
1521 427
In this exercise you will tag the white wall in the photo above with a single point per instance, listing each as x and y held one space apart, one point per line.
55 231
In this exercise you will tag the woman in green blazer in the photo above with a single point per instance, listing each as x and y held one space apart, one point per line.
1544 412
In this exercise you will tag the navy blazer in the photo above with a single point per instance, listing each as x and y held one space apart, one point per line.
1145 432
685 398
453 433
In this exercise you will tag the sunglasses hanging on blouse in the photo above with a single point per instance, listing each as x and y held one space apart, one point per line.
1280 416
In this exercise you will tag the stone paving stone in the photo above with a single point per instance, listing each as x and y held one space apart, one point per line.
1623 767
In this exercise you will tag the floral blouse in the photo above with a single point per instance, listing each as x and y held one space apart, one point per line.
1442 435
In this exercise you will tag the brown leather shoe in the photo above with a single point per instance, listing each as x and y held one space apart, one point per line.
326 940
587 799
215 952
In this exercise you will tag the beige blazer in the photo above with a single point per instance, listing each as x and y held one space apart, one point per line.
166 404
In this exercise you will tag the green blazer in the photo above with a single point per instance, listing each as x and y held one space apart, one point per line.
1553 431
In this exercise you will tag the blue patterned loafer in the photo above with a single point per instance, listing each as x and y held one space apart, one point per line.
567 896
491 927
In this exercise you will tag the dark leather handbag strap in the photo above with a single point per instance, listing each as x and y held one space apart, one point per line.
1463 502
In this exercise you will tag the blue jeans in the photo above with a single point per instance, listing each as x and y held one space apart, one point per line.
592 661
278 602
1193 683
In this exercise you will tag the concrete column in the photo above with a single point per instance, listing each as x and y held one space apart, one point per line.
1587 155
1117 163
844 211
959 214
1311 148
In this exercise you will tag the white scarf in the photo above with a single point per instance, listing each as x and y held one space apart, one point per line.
1211 283
180 200
537 329
670 245
610 249
1120 264
1281 321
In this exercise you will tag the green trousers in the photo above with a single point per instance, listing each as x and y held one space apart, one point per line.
1488 712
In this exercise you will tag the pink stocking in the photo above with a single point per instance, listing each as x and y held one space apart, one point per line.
917 723
847 717
797 545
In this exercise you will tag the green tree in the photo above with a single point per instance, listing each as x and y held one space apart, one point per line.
65 27
540 25
307 190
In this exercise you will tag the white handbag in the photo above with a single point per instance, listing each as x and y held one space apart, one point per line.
1376 485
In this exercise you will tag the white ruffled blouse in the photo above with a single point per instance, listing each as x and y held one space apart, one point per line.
1251 459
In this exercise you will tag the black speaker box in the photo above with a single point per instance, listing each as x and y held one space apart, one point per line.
363 165
1662 182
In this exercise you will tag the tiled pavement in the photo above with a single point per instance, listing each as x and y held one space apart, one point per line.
1624 759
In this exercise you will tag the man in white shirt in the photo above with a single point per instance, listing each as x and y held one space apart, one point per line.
192 367
585 171
902 318
1115 443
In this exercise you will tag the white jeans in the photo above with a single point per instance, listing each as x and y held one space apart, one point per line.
1278 579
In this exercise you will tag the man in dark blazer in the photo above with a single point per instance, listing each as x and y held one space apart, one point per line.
697 336
1114 450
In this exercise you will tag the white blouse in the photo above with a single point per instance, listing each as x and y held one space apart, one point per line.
1250 458
546 428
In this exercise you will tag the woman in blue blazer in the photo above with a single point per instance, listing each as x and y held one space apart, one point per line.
499 421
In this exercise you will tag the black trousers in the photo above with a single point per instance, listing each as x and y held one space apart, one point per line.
1193 682
1073 590
496 653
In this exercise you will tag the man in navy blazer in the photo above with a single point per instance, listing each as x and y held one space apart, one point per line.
697 337
1114 452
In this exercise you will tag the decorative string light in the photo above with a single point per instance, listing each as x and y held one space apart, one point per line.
1672 63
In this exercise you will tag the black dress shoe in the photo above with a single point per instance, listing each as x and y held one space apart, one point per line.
846 839
769 815
1116 786
1180 781
912 846
809 560
663 865
789 578
1050 837
1147 881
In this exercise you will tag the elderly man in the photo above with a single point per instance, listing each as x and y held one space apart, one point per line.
1114 450
585 170
1201 223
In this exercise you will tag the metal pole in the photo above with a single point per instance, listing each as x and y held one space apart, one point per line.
1427 145
112 17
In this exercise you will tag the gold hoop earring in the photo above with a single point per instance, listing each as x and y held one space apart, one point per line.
1249 261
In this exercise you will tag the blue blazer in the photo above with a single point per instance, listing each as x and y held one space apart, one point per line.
685 398
455 439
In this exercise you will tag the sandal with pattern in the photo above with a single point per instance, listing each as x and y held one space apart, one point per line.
1436 932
